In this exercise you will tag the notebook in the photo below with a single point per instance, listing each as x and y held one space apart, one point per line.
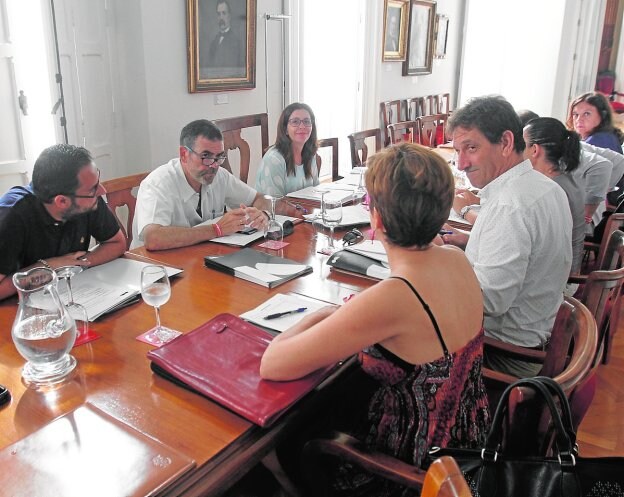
258 267
89 452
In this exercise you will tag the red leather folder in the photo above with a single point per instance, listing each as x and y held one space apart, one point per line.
221 360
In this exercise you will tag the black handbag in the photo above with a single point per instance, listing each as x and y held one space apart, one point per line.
495 472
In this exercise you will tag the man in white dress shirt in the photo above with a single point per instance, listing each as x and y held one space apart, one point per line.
178 196
520 245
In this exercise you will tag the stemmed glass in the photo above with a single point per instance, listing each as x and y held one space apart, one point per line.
76 310
331 212
274 232
360 192
156 291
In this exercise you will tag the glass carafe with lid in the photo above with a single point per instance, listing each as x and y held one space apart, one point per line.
43 330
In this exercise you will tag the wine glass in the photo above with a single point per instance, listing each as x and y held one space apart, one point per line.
331 212
360 192
274 231
156 291
76 310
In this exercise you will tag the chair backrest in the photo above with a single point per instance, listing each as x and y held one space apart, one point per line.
333 143
432 130
231 129
445 479
415 107
614 222
444 104
119 194
391 111
404 131
359 148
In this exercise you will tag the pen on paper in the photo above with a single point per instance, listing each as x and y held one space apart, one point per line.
445 232
285 313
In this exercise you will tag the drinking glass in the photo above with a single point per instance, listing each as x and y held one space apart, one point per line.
274 231
156 291
331 212
360 192
77 311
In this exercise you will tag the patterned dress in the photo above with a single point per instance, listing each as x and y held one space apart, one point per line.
411 408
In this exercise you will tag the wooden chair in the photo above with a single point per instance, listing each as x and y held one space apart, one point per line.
231 129
432 130
333 143
443 478
391 111
614 222
404 131
444 104
415 107
119 194
359 148
601 292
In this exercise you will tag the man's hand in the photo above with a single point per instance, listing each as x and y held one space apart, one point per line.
255 217
455 237
74 259
464 198
232 221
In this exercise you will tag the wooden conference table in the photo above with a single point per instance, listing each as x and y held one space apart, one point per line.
113 373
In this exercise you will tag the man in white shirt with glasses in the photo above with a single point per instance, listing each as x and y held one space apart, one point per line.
189 190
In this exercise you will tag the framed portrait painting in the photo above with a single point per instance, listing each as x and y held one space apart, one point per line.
396 14
221 45
420 38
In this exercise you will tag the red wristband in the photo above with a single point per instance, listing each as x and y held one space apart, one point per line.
217 228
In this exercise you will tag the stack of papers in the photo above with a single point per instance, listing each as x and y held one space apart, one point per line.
334 191
239 239
283 303
352 215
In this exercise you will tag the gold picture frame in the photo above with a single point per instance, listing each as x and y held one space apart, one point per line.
420 42
396 14
221 46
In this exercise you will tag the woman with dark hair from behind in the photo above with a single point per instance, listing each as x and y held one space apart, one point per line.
555 151
591 117
418 335
290 164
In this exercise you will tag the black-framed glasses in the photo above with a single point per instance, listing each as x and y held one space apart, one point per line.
94 189
352 237
296 122
208 160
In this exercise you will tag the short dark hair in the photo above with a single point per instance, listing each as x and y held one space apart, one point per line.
56 171
412 189
283 143
200 127
526 115
492 115
562 146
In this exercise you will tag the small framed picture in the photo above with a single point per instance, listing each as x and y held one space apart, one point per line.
442 24
396 15
221 45
420 41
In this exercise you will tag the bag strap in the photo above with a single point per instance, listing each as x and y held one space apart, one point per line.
565 445
566 413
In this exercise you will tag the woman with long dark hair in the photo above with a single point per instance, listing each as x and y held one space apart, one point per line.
591 117
555 152
290 164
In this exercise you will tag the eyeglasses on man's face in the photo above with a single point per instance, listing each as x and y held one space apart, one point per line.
296 122
95 190
208 159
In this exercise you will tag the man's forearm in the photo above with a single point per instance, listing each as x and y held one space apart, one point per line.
107 250
168 237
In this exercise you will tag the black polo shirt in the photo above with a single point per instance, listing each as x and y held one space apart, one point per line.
28 233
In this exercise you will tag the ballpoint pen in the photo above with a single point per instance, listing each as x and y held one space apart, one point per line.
286 313
445 232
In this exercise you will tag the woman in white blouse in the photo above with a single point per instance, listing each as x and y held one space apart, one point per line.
290 164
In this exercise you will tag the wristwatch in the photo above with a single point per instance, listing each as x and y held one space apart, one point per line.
464 210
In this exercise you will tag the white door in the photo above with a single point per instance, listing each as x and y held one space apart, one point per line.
12 153
85 47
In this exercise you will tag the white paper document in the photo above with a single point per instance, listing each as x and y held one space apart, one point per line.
283 303
239 239
352 215
334 191
101 289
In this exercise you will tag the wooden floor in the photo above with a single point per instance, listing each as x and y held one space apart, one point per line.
602 430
